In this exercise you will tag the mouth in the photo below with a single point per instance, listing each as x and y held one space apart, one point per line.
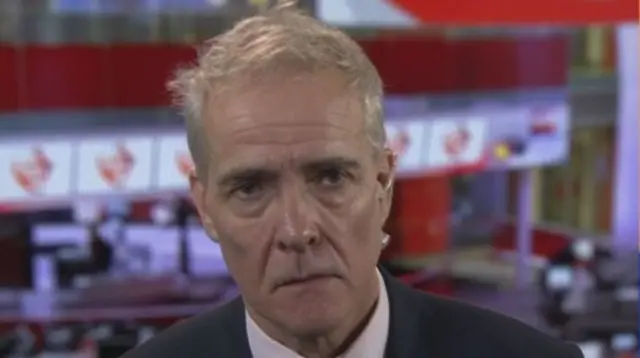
306 280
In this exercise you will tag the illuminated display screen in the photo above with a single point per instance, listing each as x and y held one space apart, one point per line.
449 137
559 277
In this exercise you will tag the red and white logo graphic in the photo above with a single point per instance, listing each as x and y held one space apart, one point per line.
115 168
31 174
406 139
122 164
456 142
455 145
400 141
174 162
184 163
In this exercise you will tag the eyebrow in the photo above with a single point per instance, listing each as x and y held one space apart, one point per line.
243 175
247 174
331 162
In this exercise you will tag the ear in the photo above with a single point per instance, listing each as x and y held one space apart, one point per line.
199 196
386 175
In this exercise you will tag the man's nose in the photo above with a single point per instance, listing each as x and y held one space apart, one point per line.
296 230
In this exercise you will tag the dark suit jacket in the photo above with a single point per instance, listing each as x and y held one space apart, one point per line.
421 326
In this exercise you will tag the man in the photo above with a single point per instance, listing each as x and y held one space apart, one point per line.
284 122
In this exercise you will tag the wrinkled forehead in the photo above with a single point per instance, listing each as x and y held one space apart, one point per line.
287 98
304 115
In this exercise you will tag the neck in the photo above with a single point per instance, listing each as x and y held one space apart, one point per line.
328 344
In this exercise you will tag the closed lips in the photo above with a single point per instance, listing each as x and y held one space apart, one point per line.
297 280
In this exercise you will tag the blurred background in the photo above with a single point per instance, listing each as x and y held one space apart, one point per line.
518 174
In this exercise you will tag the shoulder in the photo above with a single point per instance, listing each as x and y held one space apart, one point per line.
488 332
197 336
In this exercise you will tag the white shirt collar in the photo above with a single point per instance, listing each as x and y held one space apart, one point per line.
371 343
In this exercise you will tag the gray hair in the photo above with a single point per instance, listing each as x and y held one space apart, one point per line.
281 37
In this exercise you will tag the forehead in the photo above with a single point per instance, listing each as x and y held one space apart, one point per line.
297 117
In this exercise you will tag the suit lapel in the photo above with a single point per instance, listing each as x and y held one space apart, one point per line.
234 332
410 334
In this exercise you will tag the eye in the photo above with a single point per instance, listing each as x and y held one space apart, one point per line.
331 177
248 191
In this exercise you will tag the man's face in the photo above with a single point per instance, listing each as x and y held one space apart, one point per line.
296 197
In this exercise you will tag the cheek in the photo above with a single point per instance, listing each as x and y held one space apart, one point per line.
362 240
243 240
355 222
237 236
365 218
243 243
245 258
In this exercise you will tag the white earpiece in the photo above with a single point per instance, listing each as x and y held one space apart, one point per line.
389 184
385 240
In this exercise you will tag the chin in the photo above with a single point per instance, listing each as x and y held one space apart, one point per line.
314 322
314 313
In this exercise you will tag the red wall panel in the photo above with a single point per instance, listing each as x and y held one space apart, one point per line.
428 64
414 65
134 75
138 73
545 243
509 12
543 62
420 216
62 77
503 64
9 88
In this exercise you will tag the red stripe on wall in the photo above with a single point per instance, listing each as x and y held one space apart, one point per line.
414 65
139 73
9 88
134 75
432 65
496 12
61 77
